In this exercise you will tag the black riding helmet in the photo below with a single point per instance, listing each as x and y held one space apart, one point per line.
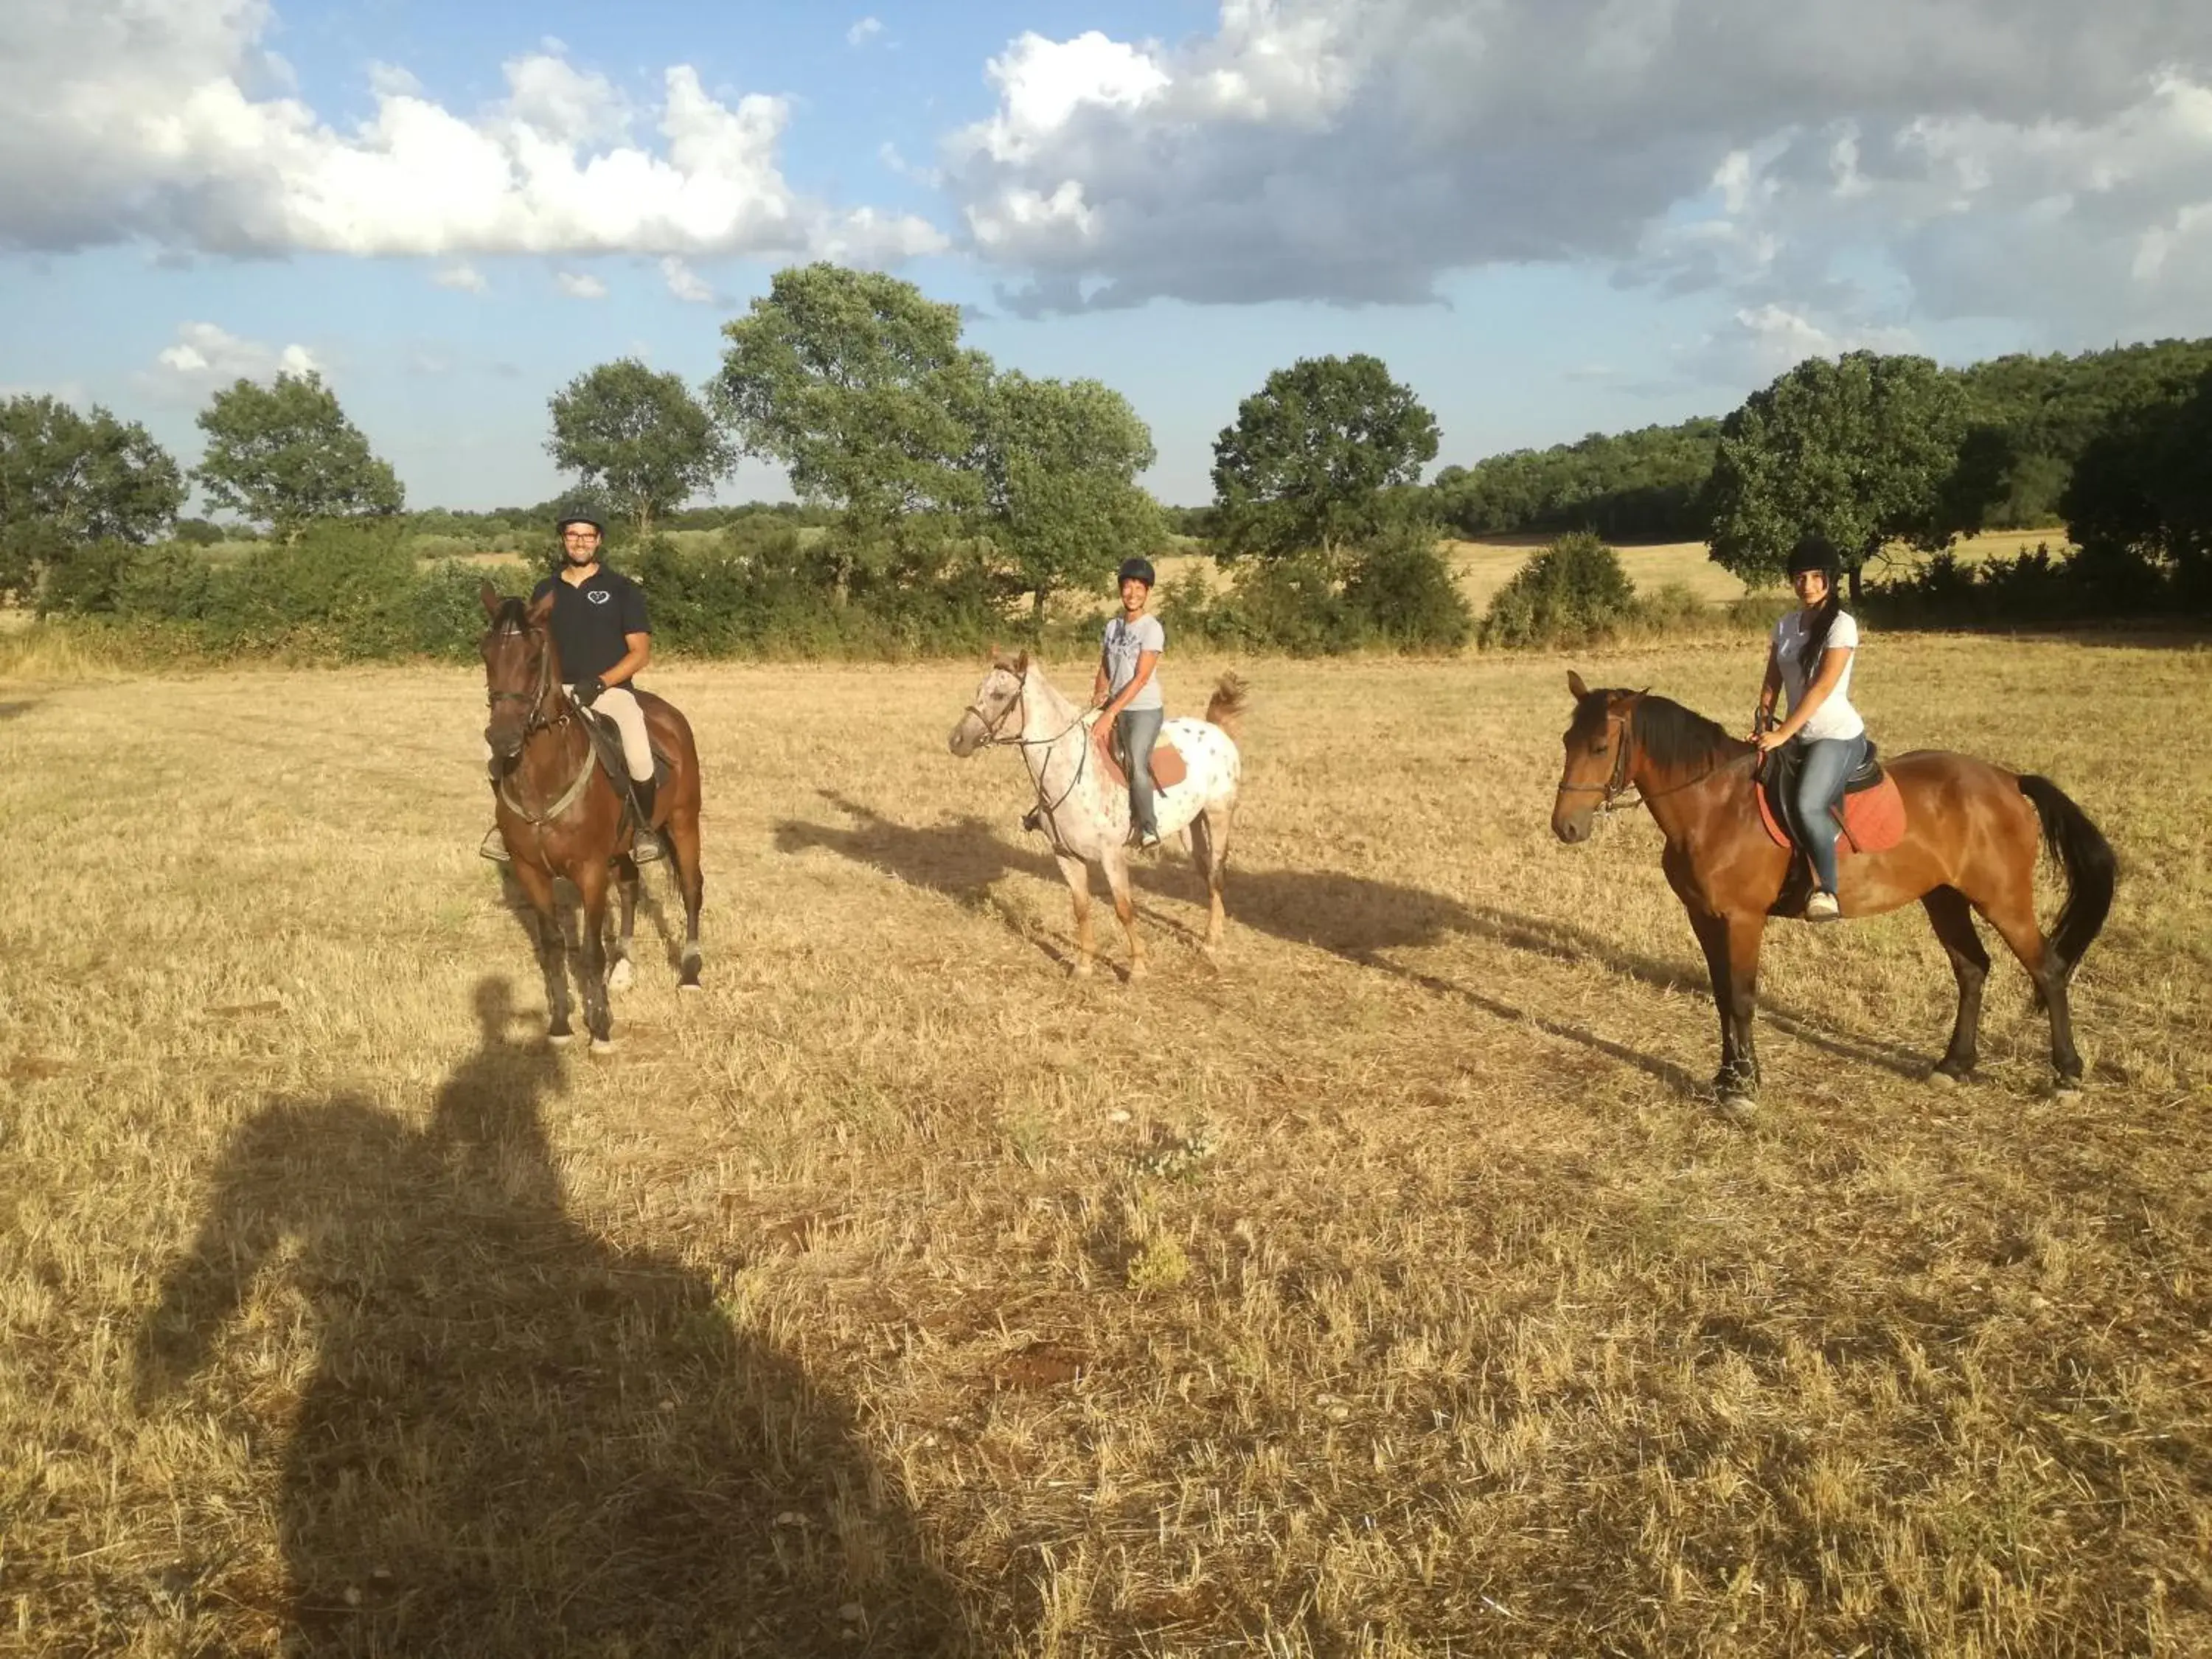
1815 552
560 526
1140 569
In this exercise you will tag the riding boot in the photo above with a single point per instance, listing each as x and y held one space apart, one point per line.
645 845
495 844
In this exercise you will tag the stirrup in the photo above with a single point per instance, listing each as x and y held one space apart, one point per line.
494 848
645 845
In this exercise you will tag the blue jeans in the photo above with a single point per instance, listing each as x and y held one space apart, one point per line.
1136 730
1829 762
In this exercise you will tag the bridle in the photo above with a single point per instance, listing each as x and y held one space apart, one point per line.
1610 791
992 739
539 720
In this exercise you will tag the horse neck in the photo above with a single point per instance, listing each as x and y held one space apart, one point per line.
554 747
1678 797
1052 730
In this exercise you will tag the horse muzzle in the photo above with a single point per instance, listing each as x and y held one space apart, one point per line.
505 742
1571 827
965 737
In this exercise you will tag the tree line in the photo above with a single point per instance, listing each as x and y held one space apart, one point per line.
943 500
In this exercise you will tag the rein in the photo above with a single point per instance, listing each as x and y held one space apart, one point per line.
540 722
992 740
1613 788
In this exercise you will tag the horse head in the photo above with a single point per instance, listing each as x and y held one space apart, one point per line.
997 700
521 672
1598 760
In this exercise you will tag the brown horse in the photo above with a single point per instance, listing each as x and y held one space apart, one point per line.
1972 833
559 814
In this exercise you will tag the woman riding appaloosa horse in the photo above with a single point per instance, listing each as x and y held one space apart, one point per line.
560 815
1972 835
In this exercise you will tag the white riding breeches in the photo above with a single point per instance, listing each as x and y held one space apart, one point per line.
620 704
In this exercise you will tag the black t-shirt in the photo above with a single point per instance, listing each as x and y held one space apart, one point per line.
589 620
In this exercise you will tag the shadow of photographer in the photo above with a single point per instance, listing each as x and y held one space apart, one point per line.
516 1438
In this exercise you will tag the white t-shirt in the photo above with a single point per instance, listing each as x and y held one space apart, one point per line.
1835 718
1124 644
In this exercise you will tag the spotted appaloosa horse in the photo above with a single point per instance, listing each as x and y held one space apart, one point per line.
560 815
1973 835
1086 812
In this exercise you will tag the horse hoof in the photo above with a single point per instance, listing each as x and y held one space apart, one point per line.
560 1039
1941 1078
1737 1107
621 975
603 1045
1081 970
2066 1088
692 985
1139 972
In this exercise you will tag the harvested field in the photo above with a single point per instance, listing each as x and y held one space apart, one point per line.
1390 1290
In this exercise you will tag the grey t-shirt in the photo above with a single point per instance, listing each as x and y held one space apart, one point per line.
1124 644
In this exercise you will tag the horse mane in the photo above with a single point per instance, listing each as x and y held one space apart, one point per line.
513 617
1674 739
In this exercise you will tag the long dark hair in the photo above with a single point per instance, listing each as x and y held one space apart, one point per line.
1819 553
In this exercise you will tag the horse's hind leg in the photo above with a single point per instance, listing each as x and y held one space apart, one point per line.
1209 851
2013 917
552 952
620 975
1954 922
683 831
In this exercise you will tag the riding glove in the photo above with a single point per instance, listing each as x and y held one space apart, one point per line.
587 691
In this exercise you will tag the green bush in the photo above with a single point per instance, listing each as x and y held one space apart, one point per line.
1574 592
1400 593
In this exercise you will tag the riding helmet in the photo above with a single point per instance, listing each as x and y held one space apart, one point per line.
1815 552
567 519
1141 569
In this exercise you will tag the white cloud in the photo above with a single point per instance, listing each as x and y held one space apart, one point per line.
1849 162
687 284
867 29
464 276
580 285
207 355
157 122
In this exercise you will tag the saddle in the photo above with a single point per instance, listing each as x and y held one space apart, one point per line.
606 743
1168 767
1870 815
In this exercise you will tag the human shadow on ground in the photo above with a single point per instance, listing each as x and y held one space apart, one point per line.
518 1438
10 711
1358 918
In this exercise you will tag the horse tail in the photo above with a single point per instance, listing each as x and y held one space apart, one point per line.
1226 707
2092 869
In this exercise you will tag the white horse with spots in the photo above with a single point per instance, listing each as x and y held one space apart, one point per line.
1083 808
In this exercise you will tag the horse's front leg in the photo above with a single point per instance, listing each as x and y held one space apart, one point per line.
620 974
1737 992
1077 874
590 879
1116 863
546 932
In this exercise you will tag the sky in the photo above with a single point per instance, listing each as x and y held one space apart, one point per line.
1549 218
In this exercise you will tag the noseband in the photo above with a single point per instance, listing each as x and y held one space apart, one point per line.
539 720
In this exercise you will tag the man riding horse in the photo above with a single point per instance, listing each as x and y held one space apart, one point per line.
605 640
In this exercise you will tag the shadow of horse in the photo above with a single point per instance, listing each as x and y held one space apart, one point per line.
1358 919
516 1437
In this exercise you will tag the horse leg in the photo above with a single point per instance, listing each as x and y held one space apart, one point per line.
1077 874
620 974
1733 961
683 832
1116 864
2015 923
1954 922
545 930
591 879
1209 851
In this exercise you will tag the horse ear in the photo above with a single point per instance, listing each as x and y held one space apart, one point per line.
490 595
1022 665
1574 684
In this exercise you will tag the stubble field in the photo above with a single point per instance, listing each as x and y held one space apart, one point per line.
1389 1289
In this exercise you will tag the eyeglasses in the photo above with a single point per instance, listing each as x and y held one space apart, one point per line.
580 536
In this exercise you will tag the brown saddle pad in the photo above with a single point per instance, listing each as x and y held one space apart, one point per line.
1168 768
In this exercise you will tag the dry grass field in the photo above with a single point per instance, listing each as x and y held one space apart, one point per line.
1390 1290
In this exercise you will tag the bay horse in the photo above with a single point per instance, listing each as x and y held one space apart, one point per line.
559 814
1086 812
1972 833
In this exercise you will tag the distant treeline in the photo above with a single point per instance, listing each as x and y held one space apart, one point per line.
2030 420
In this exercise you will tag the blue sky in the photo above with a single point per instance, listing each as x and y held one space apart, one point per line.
1547 219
